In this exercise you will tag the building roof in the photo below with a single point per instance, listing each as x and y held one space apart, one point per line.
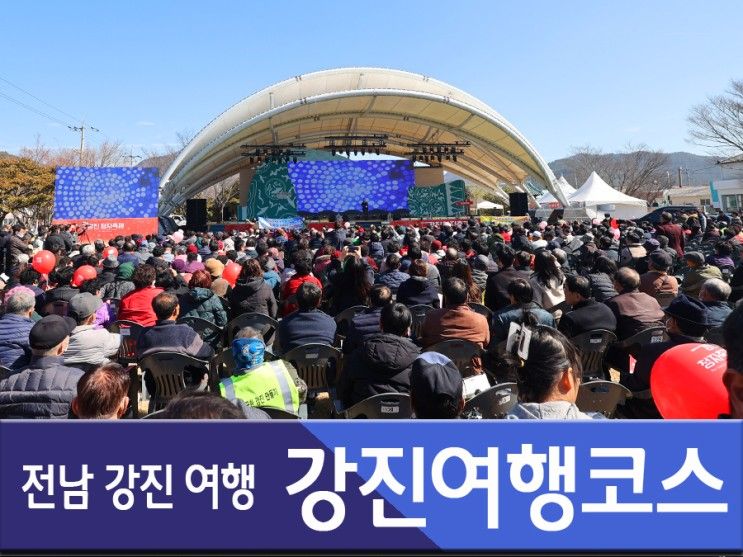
732 160
407 107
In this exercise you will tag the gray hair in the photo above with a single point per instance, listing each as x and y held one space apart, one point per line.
717 289
20 301
248 332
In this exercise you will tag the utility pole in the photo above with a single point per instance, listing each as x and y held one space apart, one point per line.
680 184
132 157
81 128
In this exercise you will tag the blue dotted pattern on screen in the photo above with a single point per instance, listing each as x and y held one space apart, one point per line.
343 185
105 192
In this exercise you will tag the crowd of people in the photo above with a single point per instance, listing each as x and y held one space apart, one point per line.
557 280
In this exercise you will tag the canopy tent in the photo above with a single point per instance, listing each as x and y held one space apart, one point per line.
489 205
547 198
598 198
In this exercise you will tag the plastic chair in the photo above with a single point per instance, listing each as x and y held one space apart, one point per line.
311 362
278 414
714 336
650 335
263 323
459 351
129 331
158 415
208 331
59 307
592 346
222 364
418 313
167 370
601 396
494 403
386 406
5 372
485 311
343 322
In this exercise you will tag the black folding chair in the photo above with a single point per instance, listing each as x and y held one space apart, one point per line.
651 335
485 311
129 331
208 331
601 396
714 336
5 372
592 346
665 298
59 307
168 371
386 406
418 313
459 351
263 323
494 403
343 322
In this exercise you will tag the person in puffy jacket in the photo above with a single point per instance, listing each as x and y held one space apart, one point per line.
15 326
252 294
601 278
123 284
548 379
202 302
383 362
417 290
393 277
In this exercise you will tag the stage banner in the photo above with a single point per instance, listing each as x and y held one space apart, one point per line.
296 223
366 485
107 201
505 219
271 194
437 201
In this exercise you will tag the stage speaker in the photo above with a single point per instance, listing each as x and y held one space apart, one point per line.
196 215
519 204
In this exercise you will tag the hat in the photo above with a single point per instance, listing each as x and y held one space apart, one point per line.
436 245
688 309
83 305
110 262
434 375
125 271
49 331
214 266
179 265
661 259
536 234
87 249
695 256
191 248
651 245
248 352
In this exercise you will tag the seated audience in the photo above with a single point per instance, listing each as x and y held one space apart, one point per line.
547 281
733 376
601 278
456 320
45 388
393 277
102 394
204 405
201 302
367 322
635 311
417 290
520 295
89 346
698 271
308 325
15 325
436 387
252 294
714 294
302 274
586 314
382 364
496 290
549 378
122 285
137 305
61 277
657 281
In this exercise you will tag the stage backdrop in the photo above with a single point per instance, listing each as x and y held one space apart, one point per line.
112 200
437 201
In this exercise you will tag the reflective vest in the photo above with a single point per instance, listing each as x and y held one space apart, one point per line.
269 384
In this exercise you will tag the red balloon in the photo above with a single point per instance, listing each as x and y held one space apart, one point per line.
686 382
83 273
110 251
44 262
231 272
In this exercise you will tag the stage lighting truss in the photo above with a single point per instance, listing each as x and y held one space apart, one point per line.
436 152
274 152
356 144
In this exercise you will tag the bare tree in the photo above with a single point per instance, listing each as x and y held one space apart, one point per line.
636 171
222 194
718 123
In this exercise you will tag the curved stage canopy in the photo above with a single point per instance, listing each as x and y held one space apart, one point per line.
407 107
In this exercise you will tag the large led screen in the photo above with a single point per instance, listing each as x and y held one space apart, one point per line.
343 185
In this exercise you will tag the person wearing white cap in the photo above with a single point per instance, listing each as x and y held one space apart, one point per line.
89 346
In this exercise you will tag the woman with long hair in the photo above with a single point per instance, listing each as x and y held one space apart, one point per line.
252 294
547 280
351 286
462 270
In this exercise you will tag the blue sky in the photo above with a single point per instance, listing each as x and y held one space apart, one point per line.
565 73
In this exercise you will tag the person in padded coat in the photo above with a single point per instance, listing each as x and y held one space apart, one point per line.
383 362
202 302
252 294
417 290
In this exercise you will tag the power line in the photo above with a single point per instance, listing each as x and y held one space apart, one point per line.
34 110
75 118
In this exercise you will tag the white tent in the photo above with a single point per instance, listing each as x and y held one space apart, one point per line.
546 198
489 205
598 198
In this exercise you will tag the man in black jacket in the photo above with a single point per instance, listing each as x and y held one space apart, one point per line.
587 314
366 323
383 362
496 289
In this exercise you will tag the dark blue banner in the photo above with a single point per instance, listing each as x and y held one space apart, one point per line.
486 485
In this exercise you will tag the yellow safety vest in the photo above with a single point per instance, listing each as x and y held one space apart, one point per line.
269 384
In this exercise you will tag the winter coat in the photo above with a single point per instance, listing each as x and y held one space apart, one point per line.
117 289
14 348
42 390
381 365
92 346
362 326
253 296
61 293
203 303
602 287
554 410
393 279
418 291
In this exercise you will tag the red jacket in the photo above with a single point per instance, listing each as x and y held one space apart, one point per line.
290 289
137 306
675 236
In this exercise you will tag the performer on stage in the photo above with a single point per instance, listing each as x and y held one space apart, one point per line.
365 208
